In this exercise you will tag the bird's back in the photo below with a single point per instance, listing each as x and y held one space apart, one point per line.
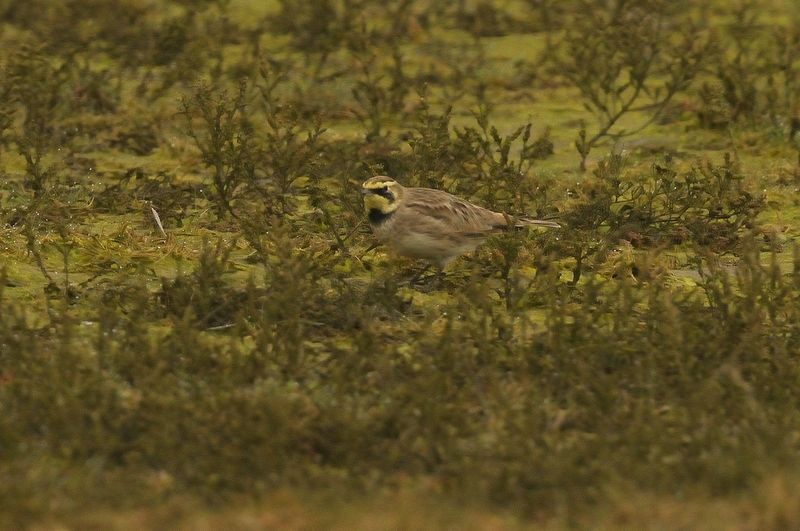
453 213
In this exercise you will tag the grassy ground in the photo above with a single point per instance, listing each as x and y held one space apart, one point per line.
194 332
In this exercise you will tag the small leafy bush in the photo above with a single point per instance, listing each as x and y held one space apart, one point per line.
754 75
217 124
709 205
622 62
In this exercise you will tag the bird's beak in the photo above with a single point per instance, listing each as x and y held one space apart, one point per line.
365 191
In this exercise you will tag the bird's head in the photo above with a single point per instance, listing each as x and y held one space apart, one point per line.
381 194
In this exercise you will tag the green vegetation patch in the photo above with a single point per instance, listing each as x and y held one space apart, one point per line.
196 328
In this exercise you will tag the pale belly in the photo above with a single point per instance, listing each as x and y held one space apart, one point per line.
438 249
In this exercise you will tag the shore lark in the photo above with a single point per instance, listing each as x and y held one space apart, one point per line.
431 224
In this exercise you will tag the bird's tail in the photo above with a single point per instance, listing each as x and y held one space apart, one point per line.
526 222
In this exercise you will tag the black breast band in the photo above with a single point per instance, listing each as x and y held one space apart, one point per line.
376 217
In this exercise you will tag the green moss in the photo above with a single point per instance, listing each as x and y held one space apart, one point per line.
255 350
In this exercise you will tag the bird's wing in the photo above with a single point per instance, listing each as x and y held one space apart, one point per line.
459 215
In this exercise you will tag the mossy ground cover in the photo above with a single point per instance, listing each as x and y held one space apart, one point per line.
194 330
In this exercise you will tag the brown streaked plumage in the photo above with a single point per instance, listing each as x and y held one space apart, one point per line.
431 224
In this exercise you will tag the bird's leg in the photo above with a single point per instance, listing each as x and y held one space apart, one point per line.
371 247
440 278
419 274
432 282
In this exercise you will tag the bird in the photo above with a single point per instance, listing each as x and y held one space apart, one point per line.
432 225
